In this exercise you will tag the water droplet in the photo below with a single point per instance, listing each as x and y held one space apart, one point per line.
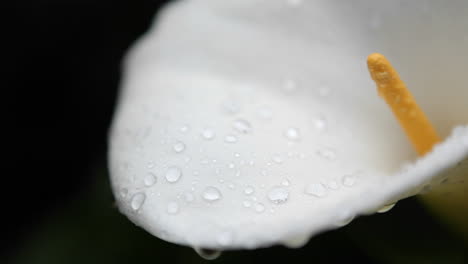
173 174
150 165
259 208
242 126
249 190
278 195
333 185
224 238
320 123
184 128
386 208
292 133
208 254
285 182
349 180
150 179
316 189
230 139
124 192
137 201
172 208
211 194
208 134
327 153
179 147
231 165
277 158
344 218
247 203
189 197
297 241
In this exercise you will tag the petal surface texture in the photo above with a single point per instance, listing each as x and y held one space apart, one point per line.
243 124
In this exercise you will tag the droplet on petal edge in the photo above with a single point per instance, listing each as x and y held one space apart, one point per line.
386 208
208 254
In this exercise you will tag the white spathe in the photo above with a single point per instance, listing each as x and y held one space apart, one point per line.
243 124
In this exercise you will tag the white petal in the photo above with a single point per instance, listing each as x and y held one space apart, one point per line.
287 80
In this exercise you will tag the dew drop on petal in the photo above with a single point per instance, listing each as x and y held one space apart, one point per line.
208 254
172 208
149 179
178 147
292 133
316 189
259 208
137 201
285 182
123 192
230 139
242 126
386 208
208 134
327 153
265 113
249 190
278 195
211 194
277 159
320 123
247 203
173 174
289 86
349 180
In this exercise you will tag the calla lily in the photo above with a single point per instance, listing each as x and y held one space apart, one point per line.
243 124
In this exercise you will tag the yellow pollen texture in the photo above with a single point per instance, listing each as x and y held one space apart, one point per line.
410 116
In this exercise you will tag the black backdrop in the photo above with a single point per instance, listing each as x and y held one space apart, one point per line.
59 84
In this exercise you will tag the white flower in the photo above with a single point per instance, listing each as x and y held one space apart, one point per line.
243 124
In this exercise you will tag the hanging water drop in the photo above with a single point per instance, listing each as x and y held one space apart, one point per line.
277 159
173 174
386 208
208 254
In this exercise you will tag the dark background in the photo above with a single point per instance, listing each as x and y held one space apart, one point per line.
62 67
